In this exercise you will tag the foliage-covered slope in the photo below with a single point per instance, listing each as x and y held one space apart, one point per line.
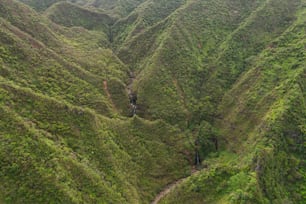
191 64
224 80
263 123
40 5
115 8
69 15
73 155
56 143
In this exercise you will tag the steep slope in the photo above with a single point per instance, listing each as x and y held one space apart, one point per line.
189 64
145 16
81 56
218 82
117 8
67 14
40 5
74 155
57 145
114 8
176 61
30 64
264 110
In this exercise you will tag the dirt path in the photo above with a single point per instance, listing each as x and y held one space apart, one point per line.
170 187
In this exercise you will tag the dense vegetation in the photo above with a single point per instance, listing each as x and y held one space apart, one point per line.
224 80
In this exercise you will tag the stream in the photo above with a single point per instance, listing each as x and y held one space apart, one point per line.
132 95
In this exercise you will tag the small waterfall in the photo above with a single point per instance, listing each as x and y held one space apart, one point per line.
133 99
132 94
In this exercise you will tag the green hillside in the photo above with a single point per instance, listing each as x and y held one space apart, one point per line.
40 5
264 110
112 101
70 15
115 8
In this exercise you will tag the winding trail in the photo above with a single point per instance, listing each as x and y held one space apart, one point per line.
172 186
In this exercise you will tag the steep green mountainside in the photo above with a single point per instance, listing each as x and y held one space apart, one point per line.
140 21
193 71
69 15
57 145
178 60
265 110
115 8
40 5
219 84
73 155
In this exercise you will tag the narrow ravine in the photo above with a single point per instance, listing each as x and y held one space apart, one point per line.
172 186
